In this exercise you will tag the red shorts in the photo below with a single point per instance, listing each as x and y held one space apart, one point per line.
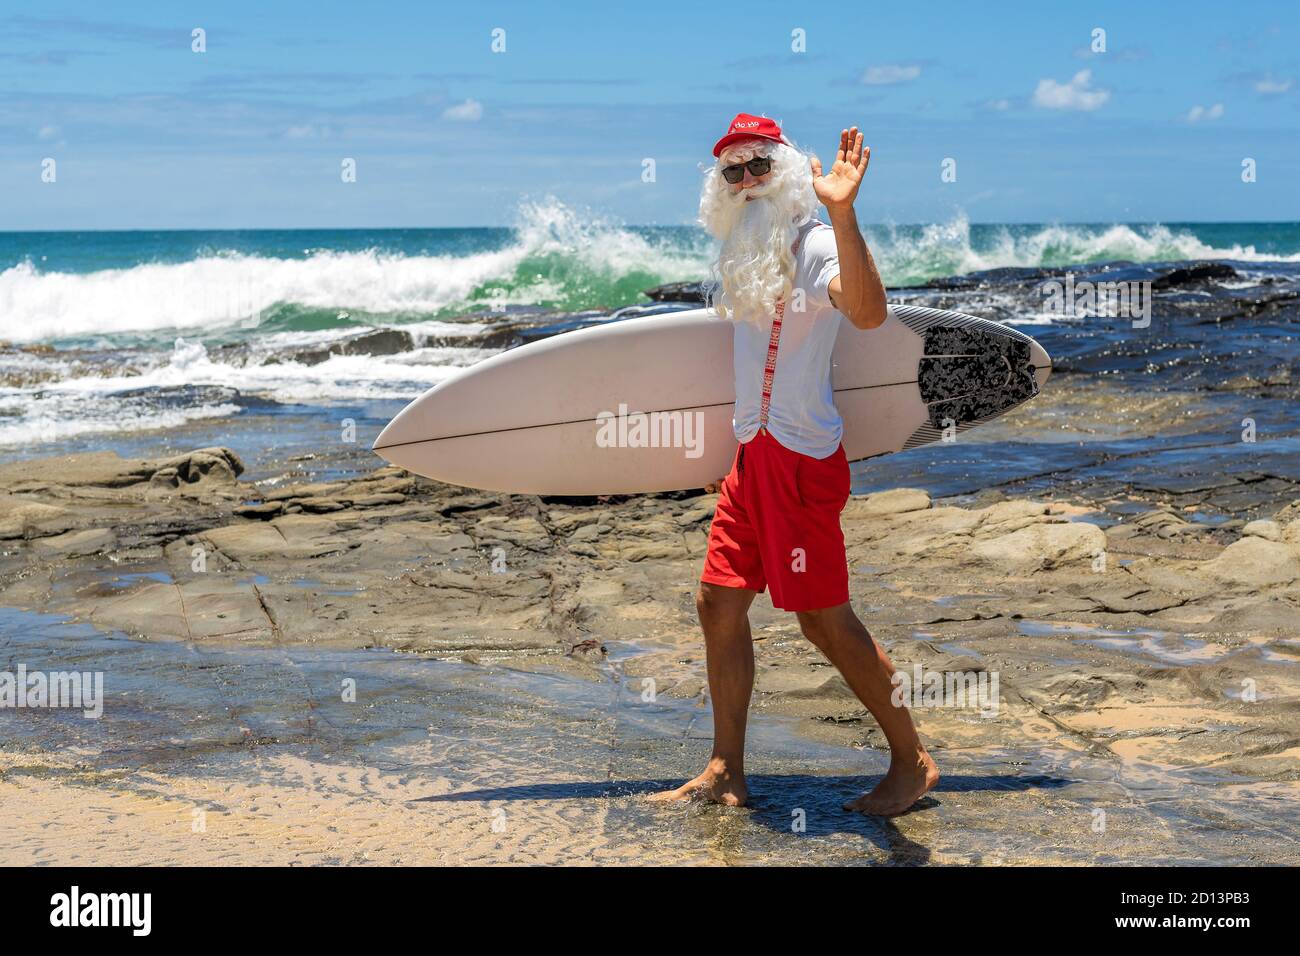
778 524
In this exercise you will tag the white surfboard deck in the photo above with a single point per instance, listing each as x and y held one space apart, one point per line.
527 420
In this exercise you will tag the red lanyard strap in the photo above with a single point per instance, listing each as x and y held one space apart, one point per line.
774 343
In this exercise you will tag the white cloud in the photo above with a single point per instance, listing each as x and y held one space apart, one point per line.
48 133
999 105
1270 86
470 111
1078 94
1200 113
887 74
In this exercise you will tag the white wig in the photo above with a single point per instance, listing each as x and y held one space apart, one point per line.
755 266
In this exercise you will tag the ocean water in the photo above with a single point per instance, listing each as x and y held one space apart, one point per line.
108 333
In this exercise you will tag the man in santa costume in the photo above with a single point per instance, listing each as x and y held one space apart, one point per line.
787 281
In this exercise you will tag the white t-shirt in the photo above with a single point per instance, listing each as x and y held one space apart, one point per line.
802 415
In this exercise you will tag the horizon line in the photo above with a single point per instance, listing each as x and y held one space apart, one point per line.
1004 222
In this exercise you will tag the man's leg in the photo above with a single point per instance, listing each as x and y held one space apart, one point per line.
837 633
729 656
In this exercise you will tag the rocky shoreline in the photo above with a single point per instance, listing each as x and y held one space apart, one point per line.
190 517
1151 644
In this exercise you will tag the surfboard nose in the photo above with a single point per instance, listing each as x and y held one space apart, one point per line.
410 441
395 437
396 446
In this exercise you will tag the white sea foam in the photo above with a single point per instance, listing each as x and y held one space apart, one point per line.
910 255
230 290
82 404
339 378
55 418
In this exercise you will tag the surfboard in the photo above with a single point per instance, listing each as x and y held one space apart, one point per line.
644 405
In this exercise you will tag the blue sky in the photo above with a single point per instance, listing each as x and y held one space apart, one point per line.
445 132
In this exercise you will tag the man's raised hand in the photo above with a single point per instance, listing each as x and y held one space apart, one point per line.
839 187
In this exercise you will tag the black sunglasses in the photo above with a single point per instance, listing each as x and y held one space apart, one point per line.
758 166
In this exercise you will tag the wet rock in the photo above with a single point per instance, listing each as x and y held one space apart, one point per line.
1163 523
678 292
563 322
34 348
701 514
1268 530
895 501
75 544
216 465
209 608
21 518
1131 598
372 342
520 532
986 278
377 500
293 537
1075 691
1179 579
1255 561
329 497
1004 517
267 509
1042 547
108 470
830 687
656 308
448 544
318 505
1194 273
320 490
518 598
649 552
1288 514
1270 617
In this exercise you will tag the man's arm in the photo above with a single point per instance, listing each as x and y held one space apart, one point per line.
857 291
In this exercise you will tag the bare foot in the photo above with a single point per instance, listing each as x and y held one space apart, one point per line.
716 785
904 784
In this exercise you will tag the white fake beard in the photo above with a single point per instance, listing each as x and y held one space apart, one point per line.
755 266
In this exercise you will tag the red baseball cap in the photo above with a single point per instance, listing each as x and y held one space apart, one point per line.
744 126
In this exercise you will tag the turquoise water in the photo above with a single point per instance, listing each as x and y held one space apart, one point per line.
221 286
